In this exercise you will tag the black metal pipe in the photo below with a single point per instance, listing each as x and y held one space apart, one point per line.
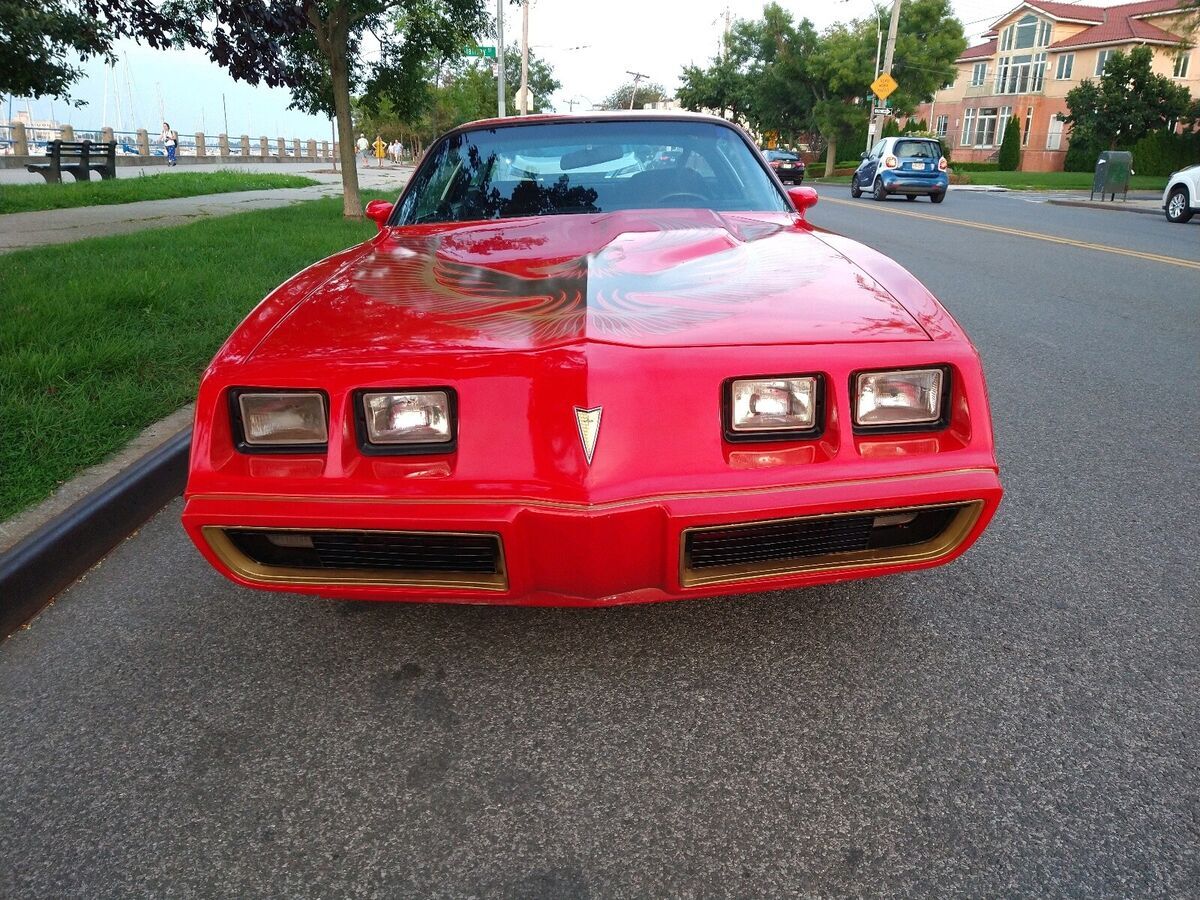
50 559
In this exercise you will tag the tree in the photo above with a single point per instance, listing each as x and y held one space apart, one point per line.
1127 103
463 90
721 88
647 92
313 47
780 75
1010 147
36 40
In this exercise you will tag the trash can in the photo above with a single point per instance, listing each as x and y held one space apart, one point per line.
1113 169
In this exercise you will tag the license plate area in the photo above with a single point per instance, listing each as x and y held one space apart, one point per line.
918 167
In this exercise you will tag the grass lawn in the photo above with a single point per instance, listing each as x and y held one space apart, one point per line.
1058 181
100 338
28 197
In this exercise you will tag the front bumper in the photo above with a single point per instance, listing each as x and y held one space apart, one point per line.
625 551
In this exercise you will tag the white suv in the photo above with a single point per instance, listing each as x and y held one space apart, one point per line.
1182 196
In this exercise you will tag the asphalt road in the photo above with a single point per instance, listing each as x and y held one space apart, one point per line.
1022 722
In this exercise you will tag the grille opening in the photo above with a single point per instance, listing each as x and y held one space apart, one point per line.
400 552
738 549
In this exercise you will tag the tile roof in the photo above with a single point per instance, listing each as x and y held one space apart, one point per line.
1110 24
1117 29
1071 11
979 51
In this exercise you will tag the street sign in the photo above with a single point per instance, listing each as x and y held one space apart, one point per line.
883 86
880 111
485 52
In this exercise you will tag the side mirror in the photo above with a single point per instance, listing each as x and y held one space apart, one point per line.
803 198
380 211
862 155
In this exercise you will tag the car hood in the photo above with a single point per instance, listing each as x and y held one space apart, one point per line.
653 279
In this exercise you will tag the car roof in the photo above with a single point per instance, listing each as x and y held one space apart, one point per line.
598 115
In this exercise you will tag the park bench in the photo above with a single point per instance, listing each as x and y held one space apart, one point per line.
80 158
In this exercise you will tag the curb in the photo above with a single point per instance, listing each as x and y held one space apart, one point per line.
1110 207
54 556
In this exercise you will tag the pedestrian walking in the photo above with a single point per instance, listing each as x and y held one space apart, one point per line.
380 151
170 140
364 148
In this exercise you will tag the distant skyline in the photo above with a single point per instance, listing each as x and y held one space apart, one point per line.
590 59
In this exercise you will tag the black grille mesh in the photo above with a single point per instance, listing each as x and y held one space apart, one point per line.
767 541
785 539
395 552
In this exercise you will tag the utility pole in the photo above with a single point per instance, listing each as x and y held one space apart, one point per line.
637 76
500 58
893 25
523 94
890 52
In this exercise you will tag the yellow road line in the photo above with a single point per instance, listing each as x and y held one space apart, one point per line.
1032 235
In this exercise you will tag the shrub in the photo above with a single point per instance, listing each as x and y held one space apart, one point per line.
1162 152
1010 147
976 167
1081 156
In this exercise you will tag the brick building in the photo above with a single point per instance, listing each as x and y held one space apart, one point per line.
1036 53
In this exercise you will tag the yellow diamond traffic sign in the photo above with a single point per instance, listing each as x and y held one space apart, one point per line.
883 86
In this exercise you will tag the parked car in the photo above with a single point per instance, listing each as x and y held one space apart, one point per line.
787 165
1182 196
902 165
585 388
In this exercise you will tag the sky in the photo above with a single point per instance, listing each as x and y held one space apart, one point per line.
591 47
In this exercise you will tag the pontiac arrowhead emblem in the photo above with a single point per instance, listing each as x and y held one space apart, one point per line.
588 423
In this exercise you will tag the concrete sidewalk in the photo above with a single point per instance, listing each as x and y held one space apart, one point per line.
59 226
1136 203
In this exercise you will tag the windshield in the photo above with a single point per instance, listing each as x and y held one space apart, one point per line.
918 149
587 167
781 155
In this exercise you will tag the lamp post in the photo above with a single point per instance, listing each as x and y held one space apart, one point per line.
500 88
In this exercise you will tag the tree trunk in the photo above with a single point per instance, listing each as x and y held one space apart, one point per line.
347 151
831 154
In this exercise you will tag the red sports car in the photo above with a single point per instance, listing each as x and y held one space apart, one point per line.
564 373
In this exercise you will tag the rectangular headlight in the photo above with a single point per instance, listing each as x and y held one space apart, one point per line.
764 406
898 398
406 418
283 418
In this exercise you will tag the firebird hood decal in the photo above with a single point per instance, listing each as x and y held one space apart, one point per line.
638 282
665 278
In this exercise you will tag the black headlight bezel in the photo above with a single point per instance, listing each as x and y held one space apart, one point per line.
759 437
432 448
940 424
238 426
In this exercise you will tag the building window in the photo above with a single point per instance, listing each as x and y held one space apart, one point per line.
1181 63
1022 74
1054 133
985 129
943 125
1028 126
968 129
1101 61
1027 32
1066 62
1002 124
1023 35
979 74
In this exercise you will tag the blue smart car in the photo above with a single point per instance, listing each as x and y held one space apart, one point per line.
902 165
